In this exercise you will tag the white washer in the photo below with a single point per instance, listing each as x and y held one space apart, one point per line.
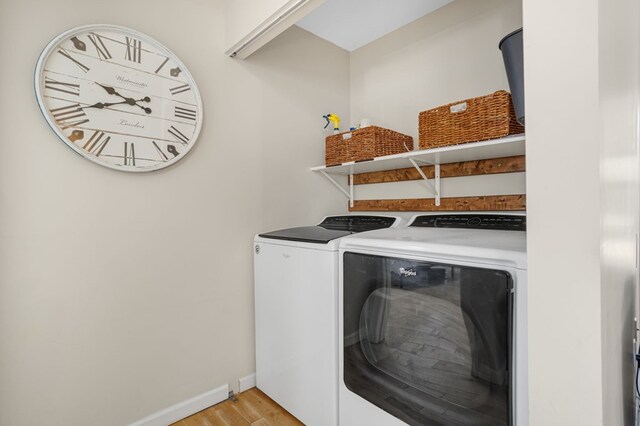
296 298
433 323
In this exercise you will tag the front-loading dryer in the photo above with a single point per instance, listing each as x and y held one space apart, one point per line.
432 323
296 314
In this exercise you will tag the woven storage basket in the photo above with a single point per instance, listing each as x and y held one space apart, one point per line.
365 144
477 119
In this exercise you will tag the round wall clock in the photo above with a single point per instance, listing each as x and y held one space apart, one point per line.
118 98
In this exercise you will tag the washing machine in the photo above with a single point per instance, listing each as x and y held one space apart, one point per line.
296 314
433 323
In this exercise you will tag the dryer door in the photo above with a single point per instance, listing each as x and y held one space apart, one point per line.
429 343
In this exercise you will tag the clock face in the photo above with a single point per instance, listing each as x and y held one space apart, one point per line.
118 98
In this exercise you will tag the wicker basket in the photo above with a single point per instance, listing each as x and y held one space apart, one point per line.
477 119
365 144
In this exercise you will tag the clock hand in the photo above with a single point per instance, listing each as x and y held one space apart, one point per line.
110 90
147 110
128 101
145 99
100 105
133 102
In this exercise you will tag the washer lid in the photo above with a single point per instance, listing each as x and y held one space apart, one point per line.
307 234
332 227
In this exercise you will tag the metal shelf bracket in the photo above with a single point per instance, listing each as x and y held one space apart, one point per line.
435 186
349 193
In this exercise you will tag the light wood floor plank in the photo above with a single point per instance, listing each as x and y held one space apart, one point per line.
193 421
224 415
271 411
246 409
252 408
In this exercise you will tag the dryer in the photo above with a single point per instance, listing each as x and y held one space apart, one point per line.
433 323
296 311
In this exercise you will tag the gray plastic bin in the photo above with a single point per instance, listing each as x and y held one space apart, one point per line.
511 47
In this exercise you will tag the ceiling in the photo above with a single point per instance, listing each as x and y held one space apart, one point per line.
351 24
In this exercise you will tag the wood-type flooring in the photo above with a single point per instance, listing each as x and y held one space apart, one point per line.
252 407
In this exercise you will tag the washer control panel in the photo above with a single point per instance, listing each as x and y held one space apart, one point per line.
355 223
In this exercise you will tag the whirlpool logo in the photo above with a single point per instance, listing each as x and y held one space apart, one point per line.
407 272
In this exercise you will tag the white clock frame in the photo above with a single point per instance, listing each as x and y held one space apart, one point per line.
39 90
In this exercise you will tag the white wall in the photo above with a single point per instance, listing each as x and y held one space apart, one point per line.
581 63
619 51
243 16
565 359
449 55
121 294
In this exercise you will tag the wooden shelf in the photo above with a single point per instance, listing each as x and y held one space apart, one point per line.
495 148
511 146
489 166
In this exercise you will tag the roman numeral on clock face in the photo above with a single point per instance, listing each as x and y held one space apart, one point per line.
179 89
162 65
103 52
69 116
80 65
60 86
96 143
189 114
178 135
134 50
129 154
162 154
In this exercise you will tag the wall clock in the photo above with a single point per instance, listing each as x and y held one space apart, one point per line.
118 98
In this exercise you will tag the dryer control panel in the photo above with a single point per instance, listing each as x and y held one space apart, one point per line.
473 221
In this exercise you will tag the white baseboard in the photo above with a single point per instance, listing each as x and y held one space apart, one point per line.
247 382
185 408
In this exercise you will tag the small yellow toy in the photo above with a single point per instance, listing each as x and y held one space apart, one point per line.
332 118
